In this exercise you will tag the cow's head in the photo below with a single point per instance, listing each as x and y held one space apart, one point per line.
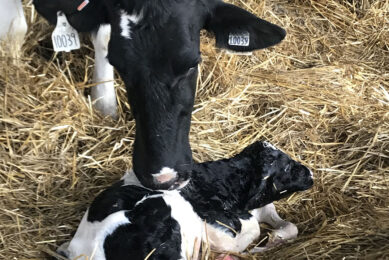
83 15
276 176
155 46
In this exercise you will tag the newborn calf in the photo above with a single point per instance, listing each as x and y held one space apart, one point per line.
128 220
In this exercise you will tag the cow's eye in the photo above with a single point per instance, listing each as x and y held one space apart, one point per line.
191 70
185 75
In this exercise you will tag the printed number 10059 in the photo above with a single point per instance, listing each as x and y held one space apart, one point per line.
239 39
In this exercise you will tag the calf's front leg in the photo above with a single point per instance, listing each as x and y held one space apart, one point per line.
283 230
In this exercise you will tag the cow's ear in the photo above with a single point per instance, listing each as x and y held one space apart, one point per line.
239 30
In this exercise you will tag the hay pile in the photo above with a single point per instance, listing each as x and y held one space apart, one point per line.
321 95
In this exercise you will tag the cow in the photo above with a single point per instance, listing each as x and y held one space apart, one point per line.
90 17
155 47
13 25
221 205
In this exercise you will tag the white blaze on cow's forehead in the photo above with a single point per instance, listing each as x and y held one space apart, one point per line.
267 144
164 175
191 226
125 20
90 236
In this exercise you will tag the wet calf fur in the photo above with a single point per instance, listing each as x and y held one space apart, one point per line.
155 47
128 219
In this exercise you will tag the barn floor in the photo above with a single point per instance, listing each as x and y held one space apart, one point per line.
322 95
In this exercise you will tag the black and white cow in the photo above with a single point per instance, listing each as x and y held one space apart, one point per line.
222 204
14 27
155 47
89 16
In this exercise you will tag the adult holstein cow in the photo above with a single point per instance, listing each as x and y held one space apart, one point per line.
155 47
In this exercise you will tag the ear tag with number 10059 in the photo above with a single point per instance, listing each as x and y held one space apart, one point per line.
64 36
239 39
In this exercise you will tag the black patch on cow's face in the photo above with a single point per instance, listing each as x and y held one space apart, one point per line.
277 176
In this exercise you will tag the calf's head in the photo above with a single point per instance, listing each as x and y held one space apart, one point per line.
276 177
155 46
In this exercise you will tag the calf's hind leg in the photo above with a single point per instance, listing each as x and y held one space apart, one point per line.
283 230
103 93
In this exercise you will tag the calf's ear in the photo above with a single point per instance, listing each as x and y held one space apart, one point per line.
239 30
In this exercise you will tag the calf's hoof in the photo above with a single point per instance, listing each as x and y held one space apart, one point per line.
63 250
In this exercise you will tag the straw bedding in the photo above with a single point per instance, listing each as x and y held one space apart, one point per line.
322 95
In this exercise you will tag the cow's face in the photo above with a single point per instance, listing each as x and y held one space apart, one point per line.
277 177
155 46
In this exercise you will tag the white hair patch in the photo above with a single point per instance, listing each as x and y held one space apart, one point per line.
267 144
166 174
125 20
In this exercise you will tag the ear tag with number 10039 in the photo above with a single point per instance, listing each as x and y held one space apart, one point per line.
64 36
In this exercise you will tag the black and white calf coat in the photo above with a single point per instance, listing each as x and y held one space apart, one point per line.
222 204
155 47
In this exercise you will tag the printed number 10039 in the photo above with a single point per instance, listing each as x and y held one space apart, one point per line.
65 40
